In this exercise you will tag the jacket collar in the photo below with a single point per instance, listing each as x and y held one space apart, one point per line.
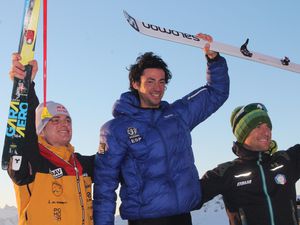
244 153
64 152
129 105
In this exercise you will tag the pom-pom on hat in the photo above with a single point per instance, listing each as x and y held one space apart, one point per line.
245 118
53 110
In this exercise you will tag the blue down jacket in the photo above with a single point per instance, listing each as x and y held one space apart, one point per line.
148 151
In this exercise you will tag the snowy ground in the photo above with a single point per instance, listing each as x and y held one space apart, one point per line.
212 212
8 215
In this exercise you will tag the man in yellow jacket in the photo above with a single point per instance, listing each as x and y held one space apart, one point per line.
52 182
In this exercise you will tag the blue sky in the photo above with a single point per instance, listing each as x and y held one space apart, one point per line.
90 45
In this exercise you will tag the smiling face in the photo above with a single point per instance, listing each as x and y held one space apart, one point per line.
259 138
58 131
151 87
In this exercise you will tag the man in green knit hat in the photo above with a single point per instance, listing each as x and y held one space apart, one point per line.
258 187
245 119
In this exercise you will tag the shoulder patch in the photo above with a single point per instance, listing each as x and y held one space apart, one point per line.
102 149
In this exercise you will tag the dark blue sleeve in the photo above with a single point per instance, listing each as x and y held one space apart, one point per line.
204 101
106 177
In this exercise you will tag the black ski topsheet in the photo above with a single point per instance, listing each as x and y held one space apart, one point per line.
17 115
188 39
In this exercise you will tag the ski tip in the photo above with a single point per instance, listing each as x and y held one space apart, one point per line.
132 22
125 13
127 16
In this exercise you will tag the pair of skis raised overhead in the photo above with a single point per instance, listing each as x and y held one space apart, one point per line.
188 39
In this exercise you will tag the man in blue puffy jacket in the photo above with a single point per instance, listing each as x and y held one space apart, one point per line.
147 146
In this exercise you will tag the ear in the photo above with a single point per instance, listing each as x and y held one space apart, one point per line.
136 85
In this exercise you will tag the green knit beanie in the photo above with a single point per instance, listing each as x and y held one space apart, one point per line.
245 118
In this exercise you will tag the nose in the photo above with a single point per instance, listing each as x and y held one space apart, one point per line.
63 122
158 86
266 130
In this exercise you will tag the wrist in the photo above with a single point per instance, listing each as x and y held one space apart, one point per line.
212 56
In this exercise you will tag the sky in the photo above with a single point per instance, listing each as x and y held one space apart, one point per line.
91 45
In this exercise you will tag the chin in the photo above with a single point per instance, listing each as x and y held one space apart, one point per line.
264 149
66 142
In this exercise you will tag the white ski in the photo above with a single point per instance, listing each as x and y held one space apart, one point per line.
188 39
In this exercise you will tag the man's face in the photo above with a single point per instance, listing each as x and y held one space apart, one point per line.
259 138
58 131
151 87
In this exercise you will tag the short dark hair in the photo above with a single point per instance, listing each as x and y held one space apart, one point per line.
147 60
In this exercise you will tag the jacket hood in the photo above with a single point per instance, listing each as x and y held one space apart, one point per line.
129 105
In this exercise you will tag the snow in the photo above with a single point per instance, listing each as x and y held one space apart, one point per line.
212 212
8 215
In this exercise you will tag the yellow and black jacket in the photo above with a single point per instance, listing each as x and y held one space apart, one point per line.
52 185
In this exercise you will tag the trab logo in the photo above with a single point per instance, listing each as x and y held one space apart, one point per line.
17 116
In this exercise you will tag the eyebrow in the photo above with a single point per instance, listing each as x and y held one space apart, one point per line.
57 117
151 78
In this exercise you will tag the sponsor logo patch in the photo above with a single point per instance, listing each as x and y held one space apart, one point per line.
57 173
134 137
17 117
280 179
242 183
57 214
61 109
102 148
57 189
16 162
